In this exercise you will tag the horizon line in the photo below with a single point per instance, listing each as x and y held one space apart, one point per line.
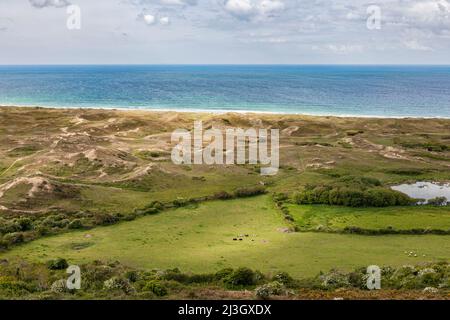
225 64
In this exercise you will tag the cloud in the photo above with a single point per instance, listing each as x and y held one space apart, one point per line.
49 3
164 21
175 3
179 2
246 9
270 6
240 8
344 48
149 19
415 45
153 19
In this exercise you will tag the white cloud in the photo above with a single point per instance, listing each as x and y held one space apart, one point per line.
179 2
253 8
219 30
164 21
49 3
344 48
270 6
149 19
353 16
415 45
240 8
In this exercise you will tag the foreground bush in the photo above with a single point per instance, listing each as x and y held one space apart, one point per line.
274 288
102 280
241 277
156 287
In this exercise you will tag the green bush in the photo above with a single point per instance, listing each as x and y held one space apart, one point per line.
14 287
76 224
240 277
57 264
280 197
283 278
180 202
350 197
106 219
14 238
59 286
156 287
118 284
249 192
223 273
274 288
222 195
25 224
132 276
335 279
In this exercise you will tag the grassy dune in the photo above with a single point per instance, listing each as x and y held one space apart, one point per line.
85 166
200 239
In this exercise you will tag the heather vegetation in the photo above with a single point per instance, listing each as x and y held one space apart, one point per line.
112 280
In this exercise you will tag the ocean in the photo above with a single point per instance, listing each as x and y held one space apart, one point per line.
381 91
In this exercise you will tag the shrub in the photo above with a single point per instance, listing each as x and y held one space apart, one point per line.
223 273
95 275
351 197
249 192
283 278
438 201
180 202
43 230
202 278
117 283
56 221
240 277
132 276
14 238
222 195
59 286
57 264
335 279
280 197
76 224
274 288
25 224
105 219
4 244
14 286
175 275
156 287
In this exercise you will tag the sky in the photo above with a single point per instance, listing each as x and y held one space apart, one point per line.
224 32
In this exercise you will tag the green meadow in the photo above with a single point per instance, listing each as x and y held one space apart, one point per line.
336 218
200 239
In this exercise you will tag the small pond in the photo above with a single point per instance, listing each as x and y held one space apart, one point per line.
425 190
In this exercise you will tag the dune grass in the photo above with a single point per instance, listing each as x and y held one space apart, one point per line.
200 239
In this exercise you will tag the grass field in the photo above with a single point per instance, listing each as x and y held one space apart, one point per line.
200 239
335 218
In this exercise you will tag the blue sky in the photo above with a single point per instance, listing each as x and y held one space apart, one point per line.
225 31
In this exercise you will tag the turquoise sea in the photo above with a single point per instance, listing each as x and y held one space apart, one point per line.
384 91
